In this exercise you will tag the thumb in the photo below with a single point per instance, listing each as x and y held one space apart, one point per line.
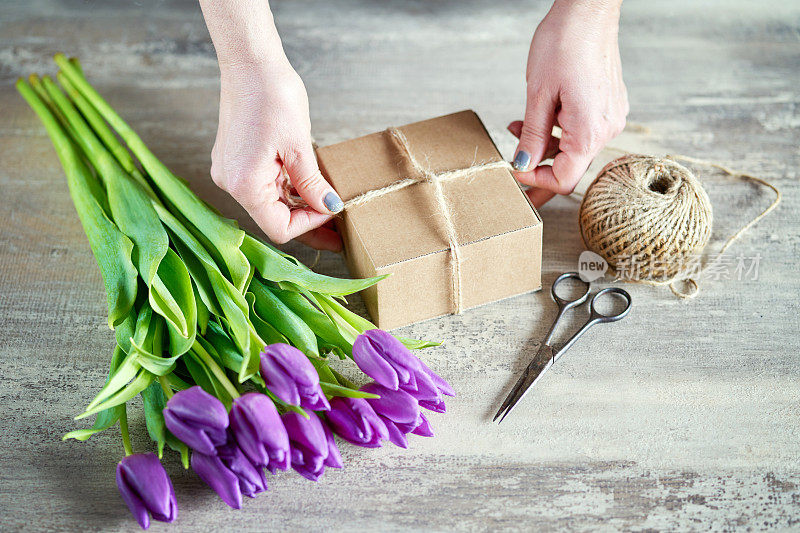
304 174
536 131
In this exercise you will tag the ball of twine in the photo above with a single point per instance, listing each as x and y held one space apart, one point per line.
648 217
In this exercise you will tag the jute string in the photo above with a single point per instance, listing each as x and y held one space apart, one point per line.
435 179
623 215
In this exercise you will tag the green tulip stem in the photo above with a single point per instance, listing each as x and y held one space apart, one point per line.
217 370
168 392
123 429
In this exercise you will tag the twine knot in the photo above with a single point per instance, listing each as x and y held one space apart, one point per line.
435 179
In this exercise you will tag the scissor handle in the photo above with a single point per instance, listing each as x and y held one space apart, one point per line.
563 303
596 317
599 317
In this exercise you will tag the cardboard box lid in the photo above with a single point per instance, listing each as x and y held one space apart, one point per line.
406 224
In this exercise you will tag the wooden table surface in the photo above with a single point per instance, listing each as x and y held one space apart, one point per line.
686 415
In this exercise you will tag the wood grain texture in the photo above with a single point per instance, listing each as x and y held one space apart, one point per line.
683 416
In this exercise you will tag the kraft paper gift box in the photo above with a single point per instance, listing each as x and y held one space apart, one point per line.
492 249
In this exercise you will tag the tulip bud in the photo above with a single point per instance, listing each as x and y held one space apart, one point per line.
259 432
424 429
312 444
198 419
146 489
290 376
334 459
386 360
443 386
398 410
436 406
230 473
355 421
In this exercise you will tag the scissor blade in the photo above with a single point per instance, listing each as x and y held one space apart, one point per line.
535 370
513 392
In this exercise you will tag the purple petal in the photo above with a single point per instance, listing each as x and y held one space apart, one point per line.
440 383
306 432
277 381
426 389
424 429
398 406
217 476
294 363
396 436
394 351
369 357
436 406
251 478
131 499
196 405
258 429
142 477
197 418
315 401
334 459
355 421
291 377
309 473
278 460
297 456
194 436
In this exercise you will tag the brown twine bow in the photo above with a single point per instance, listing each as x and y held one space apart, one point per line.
435 179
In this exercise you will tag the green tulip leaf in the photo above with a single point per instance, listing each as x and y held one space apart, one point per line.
271 309
224 235
273 266
142 380
154 401
319 322
105 419
111 248
338 390
205 378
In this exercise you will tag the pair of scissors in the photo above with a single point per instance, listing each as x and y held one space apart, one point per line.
547 355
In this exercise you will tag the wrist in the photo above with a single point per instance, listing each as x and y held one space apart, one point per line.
603 11
243 33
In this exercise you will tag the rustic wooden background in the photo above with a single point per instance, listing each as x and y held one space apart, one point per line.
683 416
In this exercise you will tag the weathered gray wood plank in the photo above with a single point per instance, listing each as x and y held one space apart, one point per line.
683 416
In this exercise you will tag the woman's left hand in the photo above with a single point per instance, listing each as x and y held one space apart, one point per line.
574 81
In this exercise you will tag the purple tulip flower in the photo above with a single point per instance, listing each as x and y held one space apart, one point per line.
355 421
291 377
424 429
198 419
386 360
230 473
433 405
399 411
146 489
313 447
259 432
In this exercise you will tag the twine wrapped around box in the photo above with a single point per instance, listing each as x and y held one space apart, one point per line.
435 179
436 241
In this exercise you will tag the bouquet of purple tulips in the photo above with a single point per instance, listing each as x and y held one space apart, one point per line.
236 348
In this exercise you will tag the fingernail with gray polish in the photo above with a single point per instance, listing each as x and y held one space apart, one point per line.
522 161
333 202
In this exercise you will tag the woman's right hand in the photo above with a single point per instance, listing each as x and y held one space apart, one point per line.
264 126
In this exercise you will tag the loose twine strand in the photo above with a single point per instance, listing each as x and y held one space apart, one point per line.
693 288
435 179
